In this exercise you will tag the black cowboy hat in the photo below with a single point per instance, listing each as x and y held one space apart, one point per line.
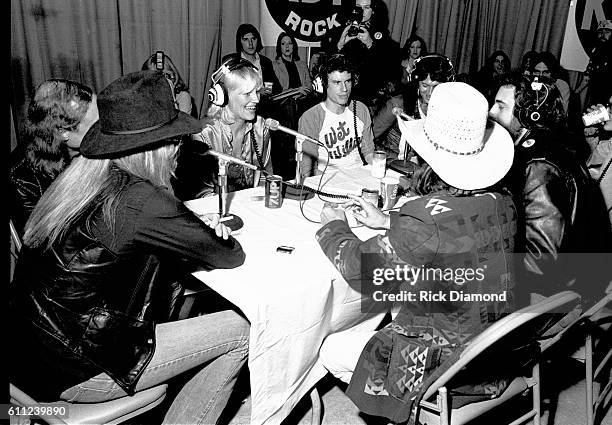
136 112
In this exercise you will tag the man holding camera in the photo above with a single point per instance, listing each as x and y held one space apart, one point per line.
366 42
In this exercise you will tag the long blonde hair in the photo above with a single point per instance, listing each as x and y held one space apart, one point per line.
89 184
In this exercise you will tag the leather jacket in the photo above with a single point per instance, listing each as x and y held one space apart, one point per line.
89 303
27 184
561 209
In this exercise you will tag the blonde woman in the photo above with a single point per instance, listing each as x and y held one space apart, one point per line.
233 126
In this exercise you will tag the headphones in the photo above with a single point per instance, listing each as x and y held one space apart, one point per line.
529 109
333 63
217 93
438 64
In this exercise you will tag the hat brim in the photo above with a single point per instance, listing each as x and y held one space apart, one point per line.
98 144
468 172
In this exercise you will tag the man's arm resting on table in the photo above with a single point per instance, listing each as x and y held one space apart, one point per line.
344 249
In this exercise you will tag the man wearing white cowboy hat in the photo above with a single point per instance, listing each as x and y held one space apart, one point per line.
561 208
459 223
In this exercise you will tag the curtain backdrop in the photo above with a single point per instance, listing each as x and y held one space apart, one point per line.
96 41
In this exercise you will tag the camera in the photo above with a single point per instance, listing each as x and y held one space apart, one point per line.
354 21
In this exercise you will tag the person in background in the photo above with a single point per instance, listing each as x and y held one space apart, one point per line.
248 46
159 61
289 69
375 56
58 117
561 210
429 72
340 123
100 249
233 127
596 79
413 49
527 63
546 67
292 73
599 137
465 157
488 77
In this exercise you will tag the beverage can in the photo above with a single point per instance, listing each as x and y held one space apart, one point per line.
379 164
370 195
388 191
596 116
274 195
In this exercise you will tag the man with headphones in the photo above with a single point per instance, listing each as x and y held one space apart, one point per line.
562 213
342 124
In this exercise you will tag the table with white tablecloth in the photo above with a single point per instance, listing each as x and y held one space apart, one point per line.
293 301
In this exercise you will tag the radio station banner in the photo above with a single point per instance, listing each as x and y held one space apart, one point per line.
579 39
307 20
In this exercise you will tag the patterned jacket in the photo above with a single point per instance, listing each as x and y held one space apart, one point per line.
435 232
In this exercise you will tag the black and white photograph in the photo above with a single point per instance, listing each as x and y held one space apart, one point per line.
310 212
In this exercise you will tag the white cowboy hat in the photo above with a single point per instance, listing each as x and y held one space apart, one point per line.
456 139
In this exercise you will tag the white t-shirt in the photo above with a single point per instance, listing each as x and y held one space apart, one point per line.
337 133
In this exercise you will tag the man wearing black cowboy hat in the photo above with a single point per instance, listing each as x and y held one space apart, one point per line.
101 247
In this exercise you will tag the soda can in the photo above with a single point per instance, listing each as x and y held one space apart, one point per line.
370 195
274 195
597 116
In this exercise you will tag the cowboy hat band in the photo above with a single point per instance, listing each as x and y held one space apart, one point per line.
458 141
137 113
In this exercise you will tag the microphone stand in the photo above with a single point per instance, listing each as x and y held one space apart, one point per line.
295 192
402 166
232 221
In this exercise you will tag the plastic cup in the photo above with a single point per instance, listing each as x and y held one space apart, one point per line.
379 164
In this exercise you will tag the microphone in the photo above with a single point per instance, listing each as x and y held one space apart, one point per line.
274 125
292 192
230 158
397 111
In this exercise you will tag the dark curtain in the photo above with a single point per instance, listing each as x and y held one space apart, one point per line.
96 41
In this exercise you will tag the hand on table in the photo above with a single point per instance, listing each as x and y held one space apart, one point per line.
212 221
369 215
331 213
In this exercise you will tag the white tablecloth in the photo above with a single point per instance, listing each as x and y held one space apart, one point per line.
293 301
